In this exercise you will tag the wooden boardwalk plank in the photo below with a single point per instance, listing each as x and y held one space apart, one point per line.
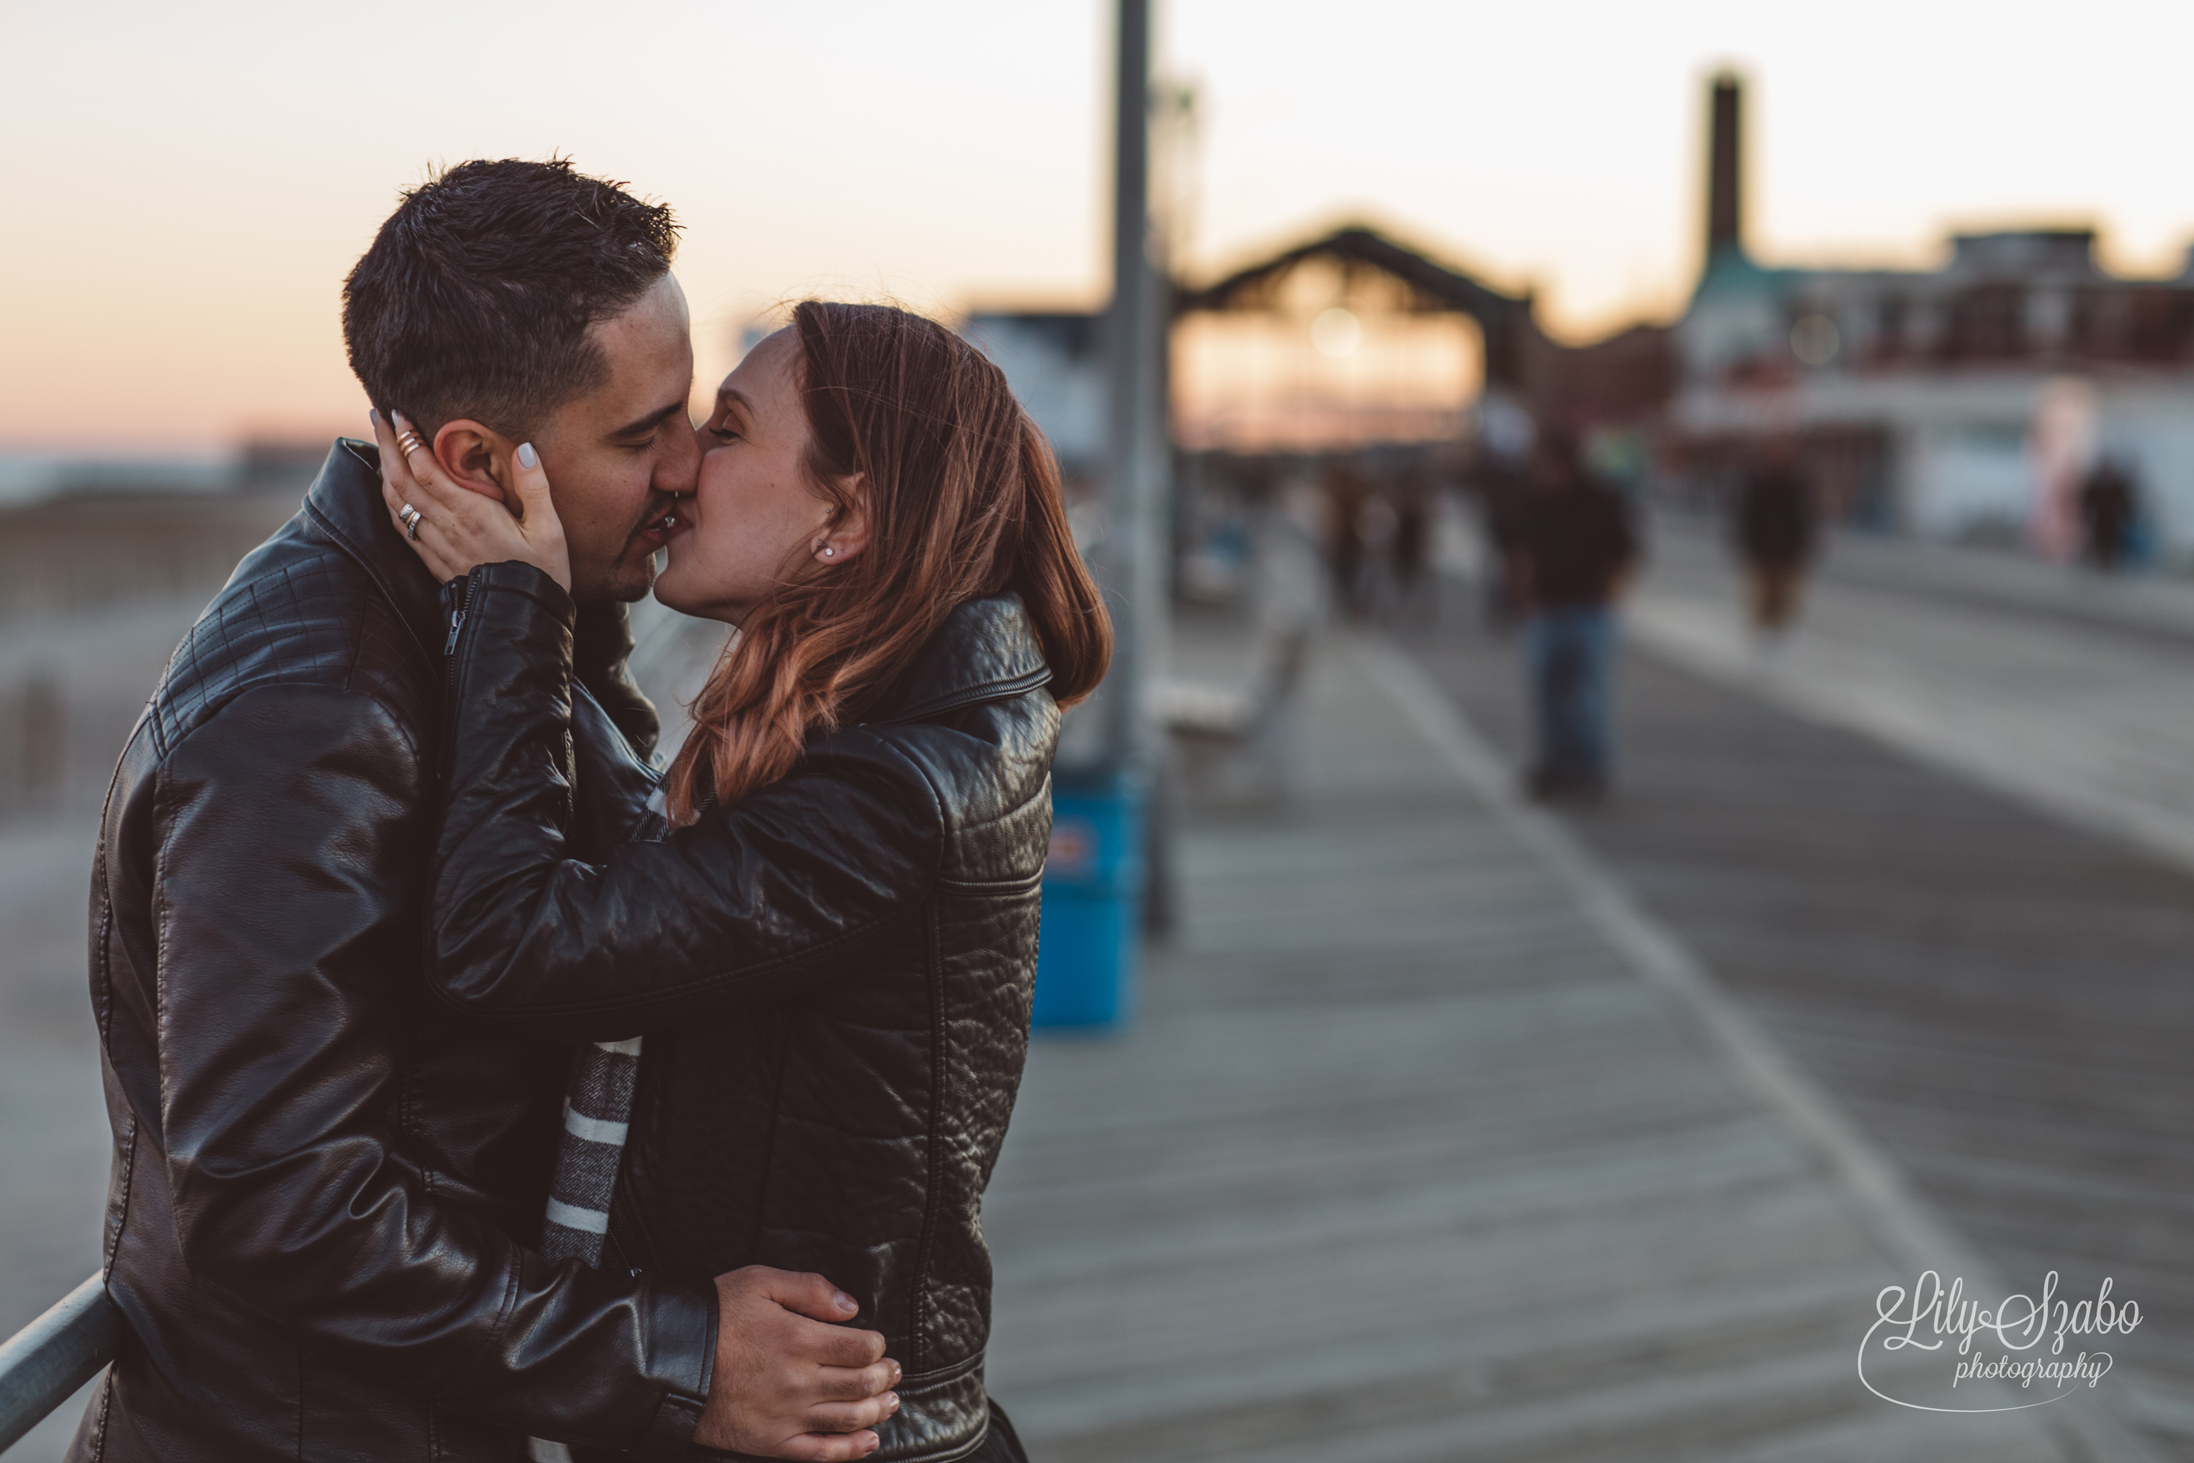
1404 1160
1996 996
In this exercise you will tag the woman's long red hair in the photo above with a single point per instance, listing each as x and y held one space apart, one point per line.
963 500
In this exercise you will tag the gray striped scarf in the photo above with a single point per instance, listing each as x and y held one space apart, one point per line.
597 1115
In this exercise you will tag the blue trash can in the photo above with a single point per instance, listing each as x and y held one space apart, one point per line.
1091 941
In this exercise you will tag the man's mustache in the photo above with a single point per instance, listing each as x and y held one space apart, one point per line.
658 506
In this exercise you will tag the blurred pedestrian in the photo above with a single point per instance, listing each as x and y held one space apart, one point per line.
1775 533
1575 549
1346 493
2108 507
1374 595
1412 544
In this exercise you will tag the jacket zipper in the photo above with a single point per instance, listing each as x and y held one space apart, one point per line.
461 596
456 623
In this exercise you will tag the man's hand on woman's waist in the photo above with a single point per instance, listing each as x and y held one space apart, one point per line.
791 1379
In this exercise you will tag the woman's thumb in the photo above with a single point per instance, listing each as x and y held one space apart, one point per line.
532 484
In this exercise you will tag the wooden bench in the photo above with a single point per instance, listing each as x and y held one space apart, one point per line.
1234 741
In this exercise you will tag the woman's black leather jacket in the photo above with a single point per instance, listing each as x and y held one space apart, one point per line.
832 975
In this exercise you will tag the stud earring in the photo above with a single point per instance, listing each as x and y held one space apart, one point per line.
828 552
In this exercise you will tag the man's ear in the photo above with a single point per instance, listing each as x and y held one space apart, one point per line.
848 532
476 457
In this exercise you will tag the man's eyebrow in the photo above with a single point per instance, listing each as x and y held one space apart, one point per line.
649 422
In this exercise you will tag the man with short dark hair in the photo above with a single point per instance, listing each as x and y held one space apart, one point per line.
326 1189
582 348
1575 549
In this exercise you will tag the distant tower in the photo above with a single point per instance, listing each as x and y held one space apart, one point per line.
1724 173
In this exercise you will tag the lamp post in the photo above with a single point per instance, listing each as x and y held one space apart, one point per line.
1094 881
1135 464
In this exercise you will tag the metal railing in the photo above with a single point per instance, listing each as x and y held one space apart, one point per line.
50 1358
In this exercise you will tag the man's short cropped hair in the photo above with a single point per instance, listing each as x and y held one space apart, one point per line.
476 296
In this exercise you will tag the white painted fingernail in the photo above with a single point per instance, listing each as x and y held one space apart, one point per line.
527 457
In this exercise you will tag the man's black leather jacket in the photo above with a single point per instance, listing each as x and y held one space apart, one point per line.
323 1181
832 975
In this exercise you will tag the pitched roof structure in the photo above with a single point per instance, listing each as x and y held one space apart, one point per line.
1505 320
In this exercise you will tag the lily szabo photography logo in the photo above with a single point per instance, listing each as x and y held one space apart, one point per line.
1934 1349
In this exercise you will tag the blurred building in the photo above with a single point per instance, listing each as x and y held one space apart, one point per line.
81 533
1348 346
1966 400
1052 360
1347 342
1354 376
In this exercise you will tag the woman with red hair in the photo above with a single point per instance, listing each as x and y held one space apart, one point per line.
827 952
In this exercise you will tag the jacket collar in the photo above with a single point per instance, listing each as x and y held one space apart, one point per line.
985 651
344 502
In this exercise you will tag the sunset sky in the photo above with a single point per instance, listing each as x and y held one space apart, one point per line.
187 185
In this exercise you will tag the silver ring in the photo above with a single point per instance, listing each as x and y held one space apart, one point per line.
411 518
